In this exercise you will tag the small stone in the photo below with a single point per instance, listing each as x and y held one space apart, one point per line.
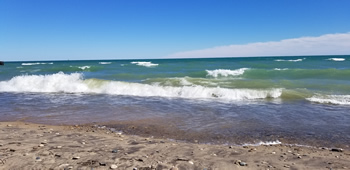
9 125
58 147
57 133
273 152
286 166
245 146
12 150
299 157
37 158
190 162
115 151
134 169
243 164
83 143
63 165
25 154
114 166
102 164
57 155
41 145
230 147
337 150
75 157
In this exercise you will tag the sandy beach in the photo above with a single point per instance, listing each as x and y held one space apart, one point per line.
35 146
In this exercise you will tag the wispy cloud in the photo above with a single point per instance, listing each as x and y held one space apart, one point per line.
328 44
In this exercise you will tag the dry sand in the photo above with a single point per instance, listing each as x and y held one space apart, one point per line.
34 146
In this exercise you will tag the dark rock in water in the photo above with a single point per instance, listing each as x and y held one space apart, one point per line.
337 150
2 63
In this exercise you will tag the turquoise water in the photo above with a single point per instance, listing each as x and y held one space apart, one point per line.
229 97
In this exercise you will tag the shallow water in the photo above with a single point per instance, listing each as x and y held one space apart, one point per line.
297 100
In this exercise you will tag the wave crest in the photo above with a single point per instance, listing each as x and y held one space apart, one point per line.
331 99
144 63
226 72
337 59
74 83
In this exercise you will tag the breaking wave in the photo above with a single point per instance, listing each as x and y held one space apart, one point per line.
297 60
84 67
331 99
74 83
144 63
29 64
105 63
337 59
226 72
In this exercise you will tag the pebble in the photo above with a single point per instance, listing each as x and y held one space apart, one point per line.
190 162
115 151
41 145
286 166
337 150
75 157
114 166
299 157
243 164
58 147
63 165
102 164
9 125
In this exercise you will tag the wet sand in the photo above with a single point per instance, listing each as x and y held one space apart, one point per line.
35 146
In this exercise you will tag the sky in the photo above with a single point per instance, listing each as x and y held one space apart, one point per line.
145 29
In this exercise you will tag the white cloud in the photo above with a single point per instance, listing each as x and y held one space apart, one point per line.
328 44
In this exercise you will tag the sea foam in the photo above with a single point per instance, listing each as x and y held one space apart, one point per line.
144 63
29 64
226 72
105 63
84 67
337 59
297 60
74 83
331 99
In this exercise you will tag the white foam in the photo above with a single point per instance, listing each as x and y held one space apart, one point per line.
331 99
226 72
74 83
277 142
105 63
84 67
337 59
29 64
144 63
297 60
280 69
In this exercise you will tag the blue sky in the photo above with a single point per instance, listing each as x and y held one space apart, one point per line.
122 29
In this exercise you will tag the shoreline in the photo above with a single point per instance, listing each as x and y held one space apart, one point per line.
39 146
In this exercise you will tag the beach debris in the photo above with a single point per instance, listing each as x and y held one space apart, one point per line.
75 157
113 166
337 150
286 166
243 164
252 149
